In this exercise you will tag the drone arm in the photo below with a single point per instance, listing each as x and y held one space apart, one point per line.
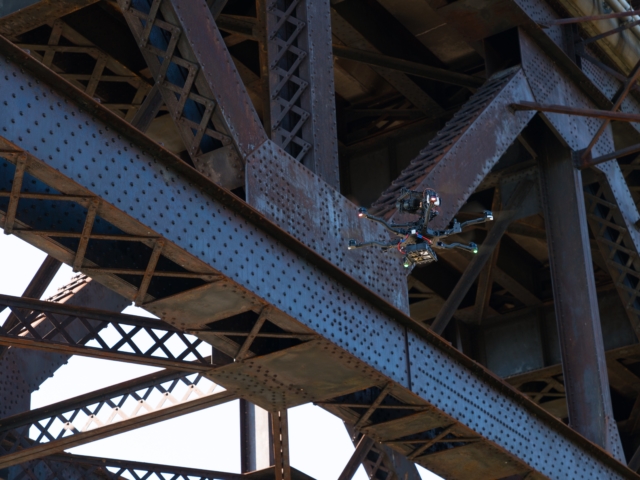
458 227
472 247
362 213
488 216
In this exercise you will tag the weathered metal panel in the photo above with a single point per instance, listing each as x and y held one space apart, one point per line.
303 204
550 85
574 293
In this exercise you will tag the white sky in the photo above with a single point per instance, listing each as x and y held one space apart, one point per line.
209 439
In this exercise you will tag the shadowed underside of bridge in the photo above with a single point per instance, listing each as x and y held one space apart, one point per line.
194 161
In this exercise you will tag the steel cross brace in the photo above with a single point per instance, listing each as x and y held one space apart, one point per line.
92 467
112 410
426 372
117 72
218 127
449 162
66 329
297 69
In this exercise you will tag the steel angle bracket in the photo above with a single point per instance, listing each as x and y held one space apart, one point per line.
144 188
483 129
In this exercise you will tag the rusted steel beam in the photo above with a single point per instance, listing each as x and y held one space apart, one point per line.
280 436
126 468
410 68
351 37
289 290
297 71
66 329
612 213
360 453
256 444
589 161
590 18
38 285
211 54
37 14
110 411
212 110
450 160
608 33
576 306
370 57
384 462
581 112
39 365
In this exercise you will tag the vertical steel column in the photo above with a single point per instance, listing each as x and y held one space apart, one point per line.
297 68
574 292
255 438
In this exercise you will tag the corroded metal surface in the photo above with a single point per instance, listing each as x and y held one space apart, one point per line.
451 159
299 62
303 204
367 335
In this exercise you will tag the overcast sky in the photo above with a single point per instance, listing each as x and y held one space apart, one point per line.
209 439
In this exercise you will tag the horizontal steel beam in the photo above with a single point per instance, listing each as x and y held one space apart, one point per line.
623 152
118 469
371 343
246 27
580 112
405 66
67 329
110 411
590 18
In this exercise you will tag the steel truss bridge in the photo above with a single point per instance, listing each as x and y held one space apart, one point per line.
204 159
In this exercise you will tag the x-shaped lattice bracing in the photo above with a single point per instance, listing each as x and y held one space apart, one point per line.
384 407
287 86
140 402
106 68
73 330
65 466
177 77
615 245
123 407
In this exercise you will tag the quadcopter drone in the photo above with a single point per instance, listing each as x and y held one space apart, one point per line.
418 240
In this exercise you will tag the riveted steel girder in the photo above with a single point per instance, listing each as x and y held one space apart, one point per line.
451 162
74 148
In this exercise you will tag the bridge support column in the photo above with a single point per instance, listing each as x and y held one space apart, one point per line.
576 306
255 438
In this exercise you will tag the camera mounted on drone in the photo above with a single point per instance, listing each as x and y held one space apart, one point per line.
418 241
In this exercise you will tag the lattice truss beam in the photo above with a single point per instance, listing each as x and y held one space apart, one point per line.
106 69
151 399
75 329
297 68
62 466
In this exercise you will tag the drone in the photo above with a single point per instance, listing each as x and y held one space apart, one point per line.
418 241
